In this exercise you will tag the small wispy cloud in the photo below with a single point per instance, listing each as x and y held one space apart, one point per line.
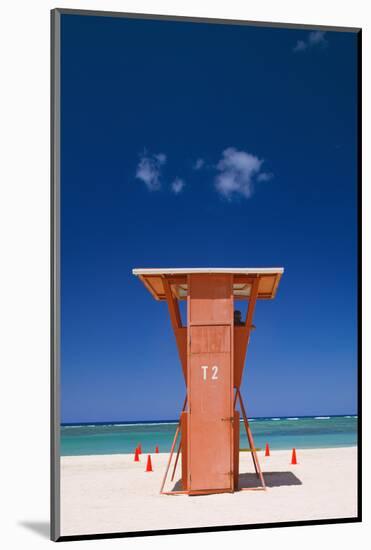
315 38
264 176
149 170
237 172
177 185
200 163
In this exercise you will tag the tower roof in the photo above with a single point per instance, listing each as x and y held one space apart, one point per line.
243 278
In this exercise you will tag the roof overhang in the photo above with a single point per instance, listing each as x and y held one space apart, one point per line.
243 278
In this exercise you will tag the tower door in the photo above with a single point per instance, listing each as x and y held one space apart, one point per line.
210 426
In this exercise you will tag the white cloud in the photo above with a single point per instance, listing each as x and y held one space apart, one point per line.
177 185
264 176
315 38
237 172
149 170
199 164
300 46
161 157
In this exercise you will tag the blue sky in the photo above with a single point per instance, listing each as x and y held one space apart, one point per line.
188 144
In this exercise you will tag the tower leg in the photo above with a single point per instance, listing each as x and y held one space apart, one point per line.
177 458
251 442
172 449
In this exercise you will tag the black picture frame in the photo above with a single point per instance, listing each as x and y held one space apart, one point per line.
55 271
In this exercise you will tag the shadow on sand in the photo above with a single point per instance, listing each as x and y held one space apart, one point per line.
42 528
272 479
178 486
251 481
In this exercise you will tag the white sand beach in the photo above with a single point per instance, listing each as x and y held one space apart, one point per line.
112 493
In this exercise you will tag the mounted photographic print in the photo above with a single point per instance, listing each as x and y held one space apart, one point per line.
205 274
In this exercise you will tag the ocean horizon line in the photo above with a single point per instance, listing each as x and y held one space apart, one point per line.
175 421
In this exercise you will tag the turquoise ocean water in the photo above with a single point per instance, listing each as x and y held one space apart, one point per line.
280 433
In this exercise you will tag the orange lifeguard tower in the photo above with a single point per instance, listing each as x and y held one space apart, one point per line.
212 350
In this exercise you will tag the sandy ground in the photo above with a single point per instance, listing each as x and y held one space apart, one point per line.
111 493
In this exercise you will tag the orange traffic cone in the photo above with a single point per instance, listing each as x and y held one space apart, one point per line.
136 457
149 464
267 450
293 458
157 451
139 448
